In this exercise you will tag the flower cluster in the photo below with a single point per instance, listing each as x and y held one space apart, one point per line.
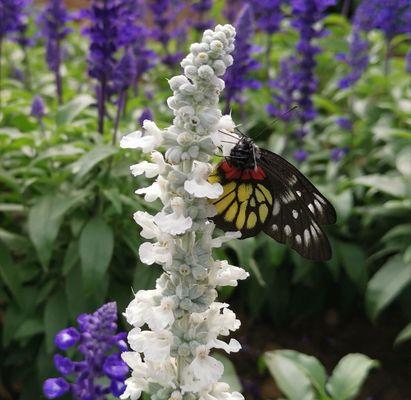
357 59
237 77
268 14
100 346
178 323
11 16
53 22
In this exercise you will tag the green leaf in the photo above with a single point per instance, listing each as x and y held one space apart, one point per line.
44 221
71 257
392 185
87 162
349 375
386 285
230 375
66 113
30 327
95 249
404 335
289 376
76 298
9 273
353 260
145 277
403 161
55 317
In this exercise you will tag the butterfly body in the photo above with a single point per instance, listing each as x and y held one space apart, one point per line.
264 192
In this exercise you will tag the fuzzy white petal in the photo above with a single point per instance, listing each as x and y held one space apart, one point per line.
152 192
198 186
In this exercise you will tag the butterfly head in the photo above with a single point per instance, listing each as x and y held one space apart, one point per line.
244 154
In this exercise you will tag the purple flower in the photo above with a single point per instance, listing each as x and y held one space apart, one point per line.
37 107
306 14
237 76
201 8
53 22
357 59
408 61
55 387
100 347
164 13
124 72
338 153
146 114
344 123
300 155
284 87
393 17
231 9
268 14
11 16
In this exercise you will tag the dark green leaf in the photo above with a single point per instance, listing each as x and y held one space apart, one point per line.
9 273
66 114
55 317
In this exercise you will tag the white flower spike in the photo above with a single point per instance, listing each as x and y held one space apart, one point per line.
177 325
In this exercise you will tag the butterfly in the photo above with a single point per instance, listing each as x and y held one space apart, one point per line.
264 192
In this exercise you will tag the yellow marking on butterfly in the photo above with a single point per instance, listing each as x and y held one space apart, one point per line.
228 188
260 196
245 190
252 220
252 202
222 204
231 212
214 178
263 212
266 192
241 216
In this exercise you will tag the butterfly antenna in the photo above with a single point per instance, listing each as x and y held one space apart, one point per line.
273 122
228 134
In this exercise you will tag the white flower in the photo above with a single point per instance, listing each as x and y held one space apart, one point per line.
174 223
198 186
220 391
157 253
162 316
147 140
146 221
224 274
154 345
224 132
139 311
152 192
150 169
221 322
203 371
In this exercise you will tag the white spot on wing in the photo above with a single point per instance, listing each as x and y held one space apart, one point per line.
298 193
320 198
288 197
298 239
293 180
311 208
295 214
318 206
307 237
313 233
287 230
276 207
275 228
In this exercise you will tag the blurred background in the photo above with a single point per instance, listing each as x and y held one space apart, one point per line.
77 75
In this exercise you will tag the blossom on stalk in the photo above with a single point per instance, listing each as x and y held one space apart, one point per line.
178 323
37 107
201 8
237 76
338 153
268 15
100 347
53 21
357 59
11 16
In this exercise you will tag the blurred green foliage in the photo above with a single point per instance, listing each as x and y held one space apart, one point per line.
68 241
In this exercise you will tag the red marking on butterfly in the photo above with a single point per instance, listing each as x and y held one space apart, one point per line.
232 172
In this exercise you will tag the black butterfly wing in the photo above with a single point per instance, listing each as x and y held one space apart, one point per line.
292 219
244 206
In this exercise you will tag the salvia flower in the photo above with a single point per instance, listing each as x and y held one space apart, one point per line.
237 77
37 107
53 21
344 123
357 59
338 153
11 16
201 8
393 17
105 19
178 323
306 16
146 114
268 14
100 346
300 155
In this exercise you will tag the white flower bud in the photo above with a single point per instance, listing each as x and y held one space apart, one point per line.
184 138
190 71
205 72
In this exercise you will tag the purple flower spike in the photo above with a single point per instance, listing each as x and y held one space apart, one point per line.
300 155
11 16
344 123
268 14
114 367
67 338
37 107
55 387
237 76
100 371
